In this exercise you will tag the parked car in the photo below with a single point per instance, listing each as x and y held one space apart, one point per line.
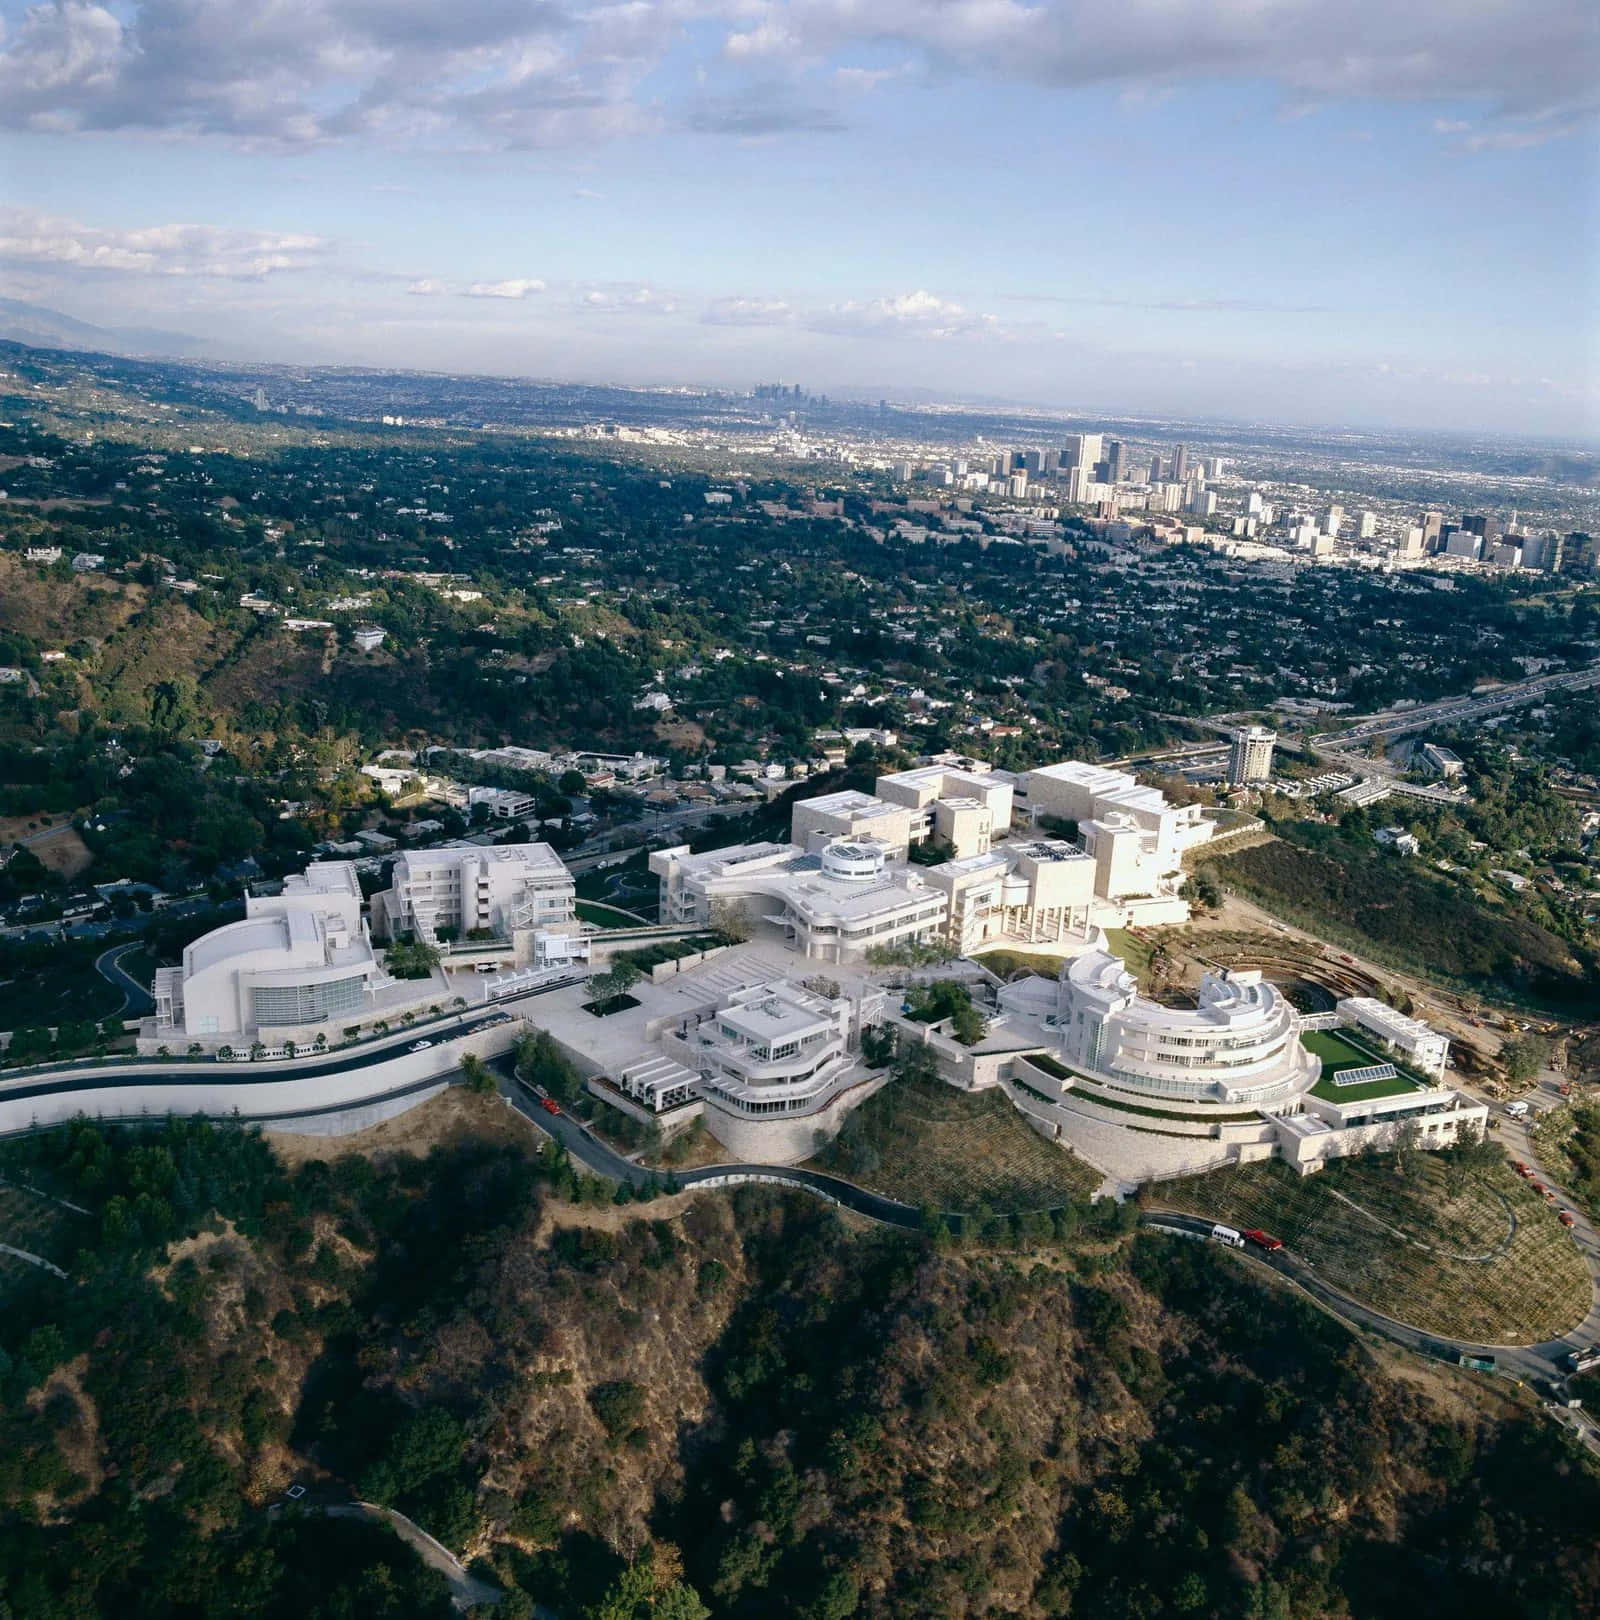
419 1046
550 1106
1567 1218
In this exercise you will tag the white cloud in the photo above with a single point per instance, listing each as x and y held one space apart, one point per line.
645 299
532 73
30 237
913 314
748 312
426 288
505 289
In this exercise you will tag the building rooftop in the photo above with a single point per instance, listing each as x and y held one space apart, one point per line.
270 933
540 858
325 877
773 1011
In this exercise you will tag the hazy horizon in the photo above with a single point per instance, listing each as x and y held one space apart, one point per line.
1329 215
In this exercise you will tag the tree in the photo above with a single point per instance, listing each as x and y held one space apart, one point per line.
1407 1141
411 959
1524 1056
650 1588
618 980
571 782
540 1062
730 919
1203 890
477 1076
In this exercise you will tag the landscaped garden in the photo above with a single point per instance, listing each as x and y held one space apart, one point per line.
922 1141
1341 1055
1457 1247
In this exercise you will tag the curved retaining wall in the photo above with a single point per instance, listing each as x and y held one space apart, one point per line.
784 1139
312 1099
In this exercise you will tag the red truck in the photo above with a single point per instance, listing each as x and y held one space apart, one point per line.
550 1106
1262 1240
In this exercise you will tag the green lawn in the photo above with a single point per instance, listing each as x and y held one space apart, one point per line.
1338 1053
1135 952
1394 1086
1008 963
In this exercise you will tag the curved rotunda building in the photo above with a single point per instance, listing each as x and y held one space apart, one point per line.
1239 1044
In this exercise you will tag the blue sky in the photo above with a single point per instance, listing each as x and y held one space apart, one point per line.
1258 209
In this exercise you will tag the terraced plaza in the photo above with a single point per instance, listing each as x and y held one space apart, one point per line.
1486 1262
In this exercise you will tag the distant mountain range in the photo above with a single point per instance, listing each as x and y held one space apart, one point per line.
42 328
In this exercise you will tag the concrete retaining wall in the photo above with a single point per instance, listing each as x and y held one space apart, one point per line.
785 1138
278 1092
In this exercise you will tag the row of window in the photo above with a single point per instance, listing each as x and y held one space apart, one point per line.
305 1003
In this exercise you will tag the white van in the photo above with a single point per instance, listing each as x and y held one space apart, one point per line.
1517 1110
1227 1234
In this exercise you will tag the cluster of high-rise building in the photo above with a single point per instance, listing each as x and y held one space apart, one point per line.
1087 470
1482 538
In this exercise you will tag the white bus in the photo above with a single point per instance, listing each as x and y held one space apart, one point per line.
1226 1234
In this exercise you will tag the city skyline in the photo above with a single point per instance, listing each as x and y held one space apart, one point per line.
1244 213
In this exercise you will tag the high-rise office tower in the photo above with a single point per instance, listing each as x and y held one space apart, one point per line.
1332 523
1367 526
1155 469
1250 757
1180 464
1432 524
1114 462
1082 450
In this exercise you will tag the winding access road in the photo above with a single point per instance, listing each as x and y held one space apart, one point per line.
1539 1364
136 999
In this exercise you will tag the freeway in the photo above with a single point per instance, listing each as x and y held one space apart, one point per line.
1447 711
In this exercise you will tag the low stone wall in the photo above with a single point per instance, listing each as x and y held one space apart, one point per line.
667 970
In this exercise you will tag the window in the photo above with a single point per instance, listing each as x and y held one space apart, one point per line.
305 1003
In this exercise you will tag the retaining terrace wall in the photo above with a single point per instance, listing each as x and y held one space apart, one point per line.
284 1093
